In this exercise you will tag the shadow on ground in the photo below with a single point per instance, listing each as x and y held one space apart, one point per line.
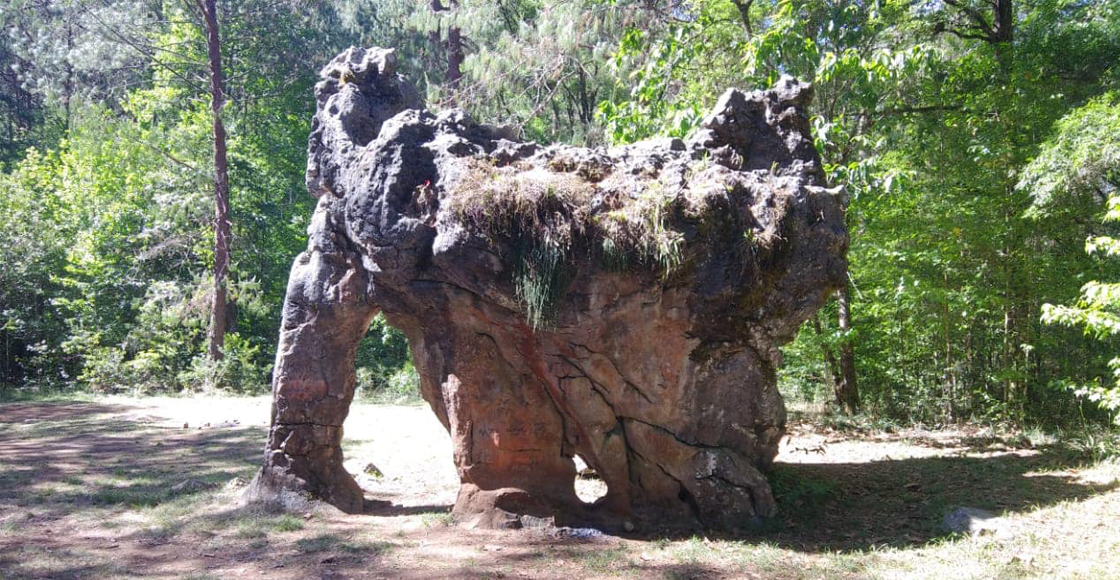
65 460
68 468
65 456
89 490
856 506
844 507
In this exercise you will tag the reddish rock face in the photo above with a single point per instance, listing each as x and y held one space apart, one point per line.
625 305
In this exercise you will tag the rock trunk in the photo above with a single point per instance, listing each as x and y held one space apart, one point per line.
622 305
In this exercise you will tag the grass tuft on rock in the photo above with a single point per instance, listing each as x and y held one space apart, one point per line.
541 277
553 219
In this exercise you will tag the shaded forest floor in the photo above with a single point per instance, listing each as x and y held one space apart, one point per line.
88 491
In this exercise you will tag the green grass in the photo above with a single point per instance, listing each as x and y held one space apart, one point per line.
256 523
605 560
173 517
134 496
691 551
45 395
288 523
434 519
541 278
319 543
360 547
325 542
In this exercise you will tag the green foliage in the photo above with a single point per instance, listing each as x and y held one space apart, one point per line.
542 67
1095 444
389 384
239 371
976 170
384 366
33 248
657 243
1082 159
933 136
107 237
646 111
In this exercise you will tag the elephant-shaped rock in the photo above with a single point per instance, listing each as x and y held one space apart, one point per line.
624 305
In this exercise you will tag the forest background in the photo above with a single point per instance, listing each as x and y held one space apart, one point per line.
978 140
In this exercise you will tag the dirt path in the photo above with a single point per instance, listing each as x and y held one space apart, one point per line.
88 490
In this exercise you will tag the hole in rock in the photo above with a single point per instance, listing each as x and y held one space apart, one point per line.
589 486
393 444
383 365
687 498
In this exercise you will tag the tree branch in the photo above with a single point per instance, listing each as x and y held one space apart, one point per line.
979 22
744 7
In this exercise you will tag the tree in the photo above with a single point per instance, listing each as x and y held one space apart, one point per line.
218 313
128 301
969 20
1080 164
948 277
847 389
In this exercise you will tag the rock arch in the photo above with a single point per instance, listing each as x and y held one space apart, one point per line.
622 304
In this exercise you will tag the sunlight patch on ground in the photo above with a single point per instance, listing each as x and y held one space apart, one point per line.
85 491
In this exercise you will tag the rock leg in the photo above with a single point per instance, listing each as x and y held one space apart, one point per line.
326 313
508 439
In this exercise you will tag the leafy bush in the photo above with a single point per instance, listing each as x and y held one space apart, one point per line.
384 366
105 242
389 385
237 372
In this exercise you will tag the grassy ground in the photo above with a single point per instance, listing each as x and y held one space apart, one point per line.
88 490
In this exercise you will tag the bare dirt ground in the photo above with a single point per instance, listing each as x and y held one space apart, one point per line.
88 491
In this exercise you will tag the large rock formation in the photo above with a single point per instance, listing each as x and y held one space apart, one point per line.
624 305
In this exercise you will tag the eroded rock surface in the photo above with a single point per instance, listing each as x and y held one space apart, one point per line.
625 305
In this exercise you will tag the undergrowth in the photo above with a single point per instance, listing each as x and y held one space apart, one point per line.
394 386
1084 443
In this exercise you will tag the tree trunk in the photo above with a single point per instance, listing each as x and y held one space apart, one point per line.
454 53
1005 21
454 56
950 372
435 42
68 84
1000 30
744 8
221 183
831 369
453 47
847 389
